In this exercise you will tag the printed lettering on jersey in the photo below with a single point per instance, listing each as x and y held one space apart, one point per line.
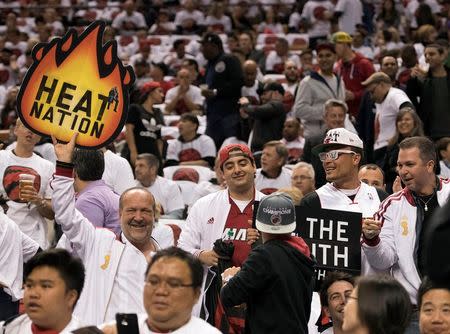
76 84
333 238
234 234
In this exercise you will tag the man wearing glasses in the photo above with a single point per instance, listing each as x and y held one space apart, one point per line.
172 287
341 154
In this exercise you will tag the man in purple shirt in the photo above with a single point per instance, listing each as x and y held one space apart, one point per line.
95 200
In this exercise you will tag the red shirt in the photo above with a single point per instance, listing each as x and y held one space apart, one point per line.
235 230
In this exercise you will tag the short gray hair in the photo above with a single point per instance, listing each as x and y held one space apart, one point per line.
308 167
334 103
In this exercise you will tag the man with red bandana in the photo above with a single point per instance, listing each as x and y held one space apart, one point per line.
224 214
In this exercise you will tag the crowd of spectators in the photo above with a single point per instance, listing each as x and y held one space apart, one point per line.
341 104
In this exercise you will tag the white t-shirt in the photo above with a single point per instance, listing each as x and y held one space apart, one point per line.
225 21
166 193
201 147
313 12
352 12
26 216
267 186
196 16
194 93
122 20
194 326
118 173
386 113
273 61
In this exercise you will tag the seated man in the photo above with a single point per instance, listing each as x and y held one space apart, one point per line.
293 140
335 290
184 97
53 283
191 148
173 281
165 191
272 175
303 177
373 175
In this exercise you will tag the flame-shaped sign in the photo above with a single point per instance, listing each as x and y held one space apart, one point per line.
76 84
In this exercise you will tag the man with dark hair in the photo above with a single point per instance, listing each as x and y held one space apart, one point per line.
272 175
341 155
166 192
373 175
266 120
395 237
334 292
276 58
116 263
224 214
317 88
433 301
429 88
190 148
53 284
276 281
224 78
95 200
173 282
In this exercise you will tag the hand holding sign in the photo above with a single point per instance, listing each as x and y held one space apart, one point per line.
64 152
371 228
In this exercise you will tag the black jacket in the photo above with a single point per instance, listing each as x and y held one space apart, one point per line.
276 282
267 121
421 95
314 160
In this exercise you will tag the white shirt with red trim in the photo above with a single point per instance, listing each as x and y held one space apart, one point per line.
395 249
167 193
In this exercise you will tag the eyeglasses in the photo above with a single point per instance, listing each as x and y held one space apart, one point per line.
337 297
333 155
351 297
172 284
301 178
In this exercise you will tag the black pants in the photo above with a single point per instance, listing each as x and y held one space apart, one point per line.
8 308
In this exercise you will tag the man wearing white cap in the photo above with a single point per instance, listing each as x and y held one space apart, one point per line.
276 281
341 154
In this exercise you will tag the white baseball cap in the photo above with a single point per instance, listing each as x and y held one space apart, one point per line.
339 136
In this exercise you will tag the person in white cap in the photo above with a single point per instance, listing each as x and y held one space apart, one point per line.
276 281
341 154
